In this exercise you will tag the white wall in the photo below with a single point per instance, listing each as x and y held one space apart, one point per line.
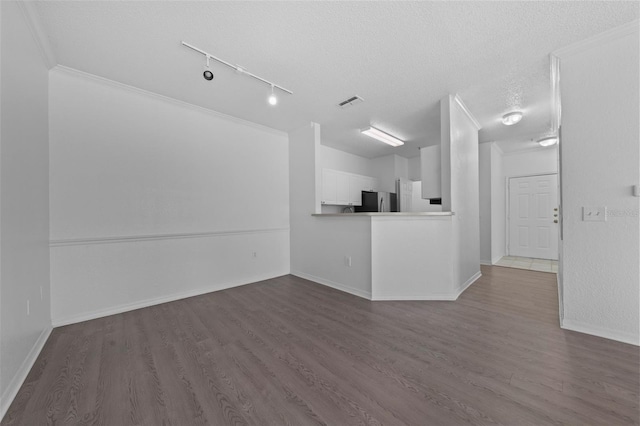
419 204
24 204
319 245
600 164
388 169
498 206
153 199
460 187
401 168
484 155
527 163
384 168
413 166
331 158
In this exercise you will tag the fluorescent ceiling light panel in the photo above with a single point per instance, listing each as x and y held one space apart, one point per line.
382 136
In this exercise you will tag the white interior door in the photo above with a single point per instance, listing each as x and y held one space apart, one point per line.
533 216
405 195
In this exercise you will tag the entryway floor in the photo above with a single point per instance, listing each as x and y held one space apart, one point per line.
542 265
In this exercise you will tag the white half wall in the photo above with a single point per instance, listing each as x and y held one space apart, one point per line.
600 165
412 258
319 246
25 319
153 199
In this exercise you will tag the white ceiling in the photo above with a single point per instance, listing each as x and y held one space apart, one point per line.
401 57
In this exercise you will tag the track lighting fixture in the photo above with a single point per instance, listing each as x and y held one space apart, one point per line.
272 99
208 74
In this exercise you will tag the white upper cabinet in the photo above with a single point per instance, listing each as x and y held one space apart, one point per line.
345 189
343 196
357 184
329 186
430 170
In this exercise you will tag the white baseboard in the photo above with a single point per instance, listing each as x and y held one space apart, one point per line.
594 330
497 259
486 262
433 297
368 295
86 316
468 283
18 379
333 284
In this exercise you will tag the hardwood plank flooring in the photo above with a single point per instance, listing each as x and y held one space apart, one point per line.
291 352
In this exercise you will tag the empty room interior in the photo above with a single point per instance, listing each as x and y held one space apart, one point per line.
331 213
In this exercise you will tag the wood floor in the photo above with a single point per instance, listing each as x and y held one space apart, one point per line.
288 351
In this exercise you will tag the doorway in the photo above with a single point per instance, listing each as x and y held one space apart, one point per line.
532 217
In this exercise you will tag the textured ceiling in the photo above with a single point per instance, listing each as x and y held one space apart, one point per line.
401 57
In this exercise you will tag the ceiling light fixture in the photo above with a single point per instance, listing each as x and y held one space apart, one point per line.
511 118
272 99
548 141
208 75
382 136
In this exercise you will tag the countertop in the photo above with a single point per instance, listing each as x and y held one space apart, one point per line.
386 214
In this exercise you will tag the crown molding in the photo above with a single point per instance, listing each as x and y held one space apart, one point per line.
39 36
598 39
467 111
133 89
495 146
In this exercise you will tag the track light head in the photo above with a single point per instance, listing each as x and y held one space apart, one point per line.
272 98
207 74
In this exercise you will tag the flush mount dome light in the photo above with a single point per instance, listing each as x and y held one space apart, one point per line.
511 118
548 141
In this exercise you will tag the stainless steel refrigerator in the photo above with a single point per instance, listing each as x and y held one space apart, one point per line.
378 202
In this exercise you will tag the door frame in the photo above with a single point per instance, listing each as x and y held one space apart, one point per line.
508 203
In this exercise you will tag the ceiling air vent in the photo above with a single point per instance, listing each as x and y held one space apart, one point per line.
351 101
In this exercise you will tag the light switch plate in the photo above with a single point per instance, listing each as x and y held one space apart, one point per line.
594 214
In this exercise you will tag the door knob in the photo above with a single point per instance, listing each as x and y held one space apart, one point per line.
555 210
555 215
555 221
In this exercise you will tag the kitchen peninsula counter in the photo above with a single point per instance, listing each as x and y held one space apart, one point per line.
387 256
392 214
